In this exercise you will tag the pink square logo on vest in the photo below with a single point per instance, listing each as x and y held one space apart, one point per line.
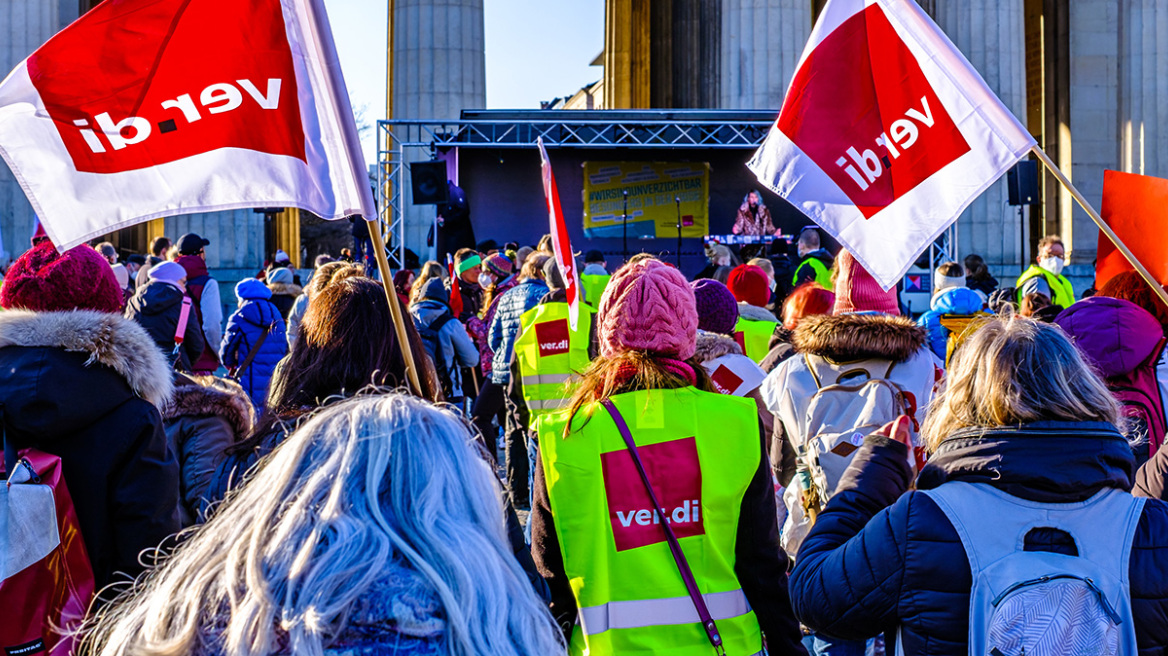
676 476
552 337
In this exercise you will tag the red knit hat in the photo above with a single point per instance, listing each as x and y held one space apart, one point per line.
648 306
44 280
750 285
857 291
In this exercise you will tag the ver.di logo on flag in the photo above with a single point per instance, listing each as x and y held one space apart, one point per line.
676 476
553 337
236 91
879 129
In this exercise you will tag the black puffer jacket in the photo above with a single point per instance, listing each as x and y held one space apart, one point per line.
878 558
84 386
157 307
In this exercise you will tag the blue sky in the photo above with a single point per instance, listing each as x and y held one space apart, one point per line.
536 50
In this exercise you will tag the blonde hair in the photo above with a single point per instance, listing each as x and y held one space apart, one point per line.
1015 371
533 267
765 265
370 485
429 271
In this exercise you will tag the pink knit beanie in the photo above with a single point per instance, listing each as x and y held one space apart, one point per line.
648 306
43 280
857 291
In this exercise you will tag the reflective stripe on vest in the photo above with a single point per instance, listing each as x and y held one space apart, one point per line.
549 354
660 612
1062 292
822 272
630 595
754 337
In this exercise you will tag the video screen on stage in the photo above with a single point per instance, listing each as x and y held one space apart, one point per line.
654 196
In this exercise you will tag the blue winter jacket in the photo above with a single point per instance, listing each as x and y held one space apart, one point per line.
956 300
244 328
505 327
881 557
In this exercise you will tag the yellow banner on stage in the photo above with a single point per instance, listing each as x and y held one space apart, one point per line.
654 191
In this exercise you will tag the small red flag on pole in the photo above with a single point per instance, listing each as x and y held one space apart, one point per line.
561 244
455 292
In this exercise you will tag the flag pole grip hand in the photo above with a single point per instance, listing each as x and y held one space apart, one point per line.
1119 245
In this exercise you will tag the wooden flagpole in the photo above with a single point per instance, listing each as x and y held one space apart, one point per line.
1143 271
394 307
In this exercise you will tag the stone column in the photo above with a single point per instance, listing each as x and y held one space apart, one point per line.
990 33
761 44
439 69
1143 91
24 26
1095 122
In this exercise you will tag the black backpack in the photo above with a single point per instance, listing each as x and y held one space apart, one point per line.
429 335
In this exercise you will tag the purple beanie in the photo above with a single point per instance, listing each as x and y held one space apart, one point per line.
717 309
648 306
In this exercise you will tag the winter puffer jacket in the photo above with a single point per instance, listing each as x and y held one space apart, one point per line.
479 329
879 558
505 326
455 345
157 307
284 297
244 328
85 386
956 300
206 416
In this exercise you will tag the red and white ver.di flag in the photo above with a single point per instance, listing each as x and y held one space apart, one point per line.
561 244
887 133
149 108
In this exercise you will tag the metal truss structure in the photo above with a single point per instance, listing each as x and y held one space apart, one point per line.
398 140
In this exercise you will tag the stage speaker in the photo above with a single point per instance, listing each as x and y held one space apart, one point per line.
1022 181
428 182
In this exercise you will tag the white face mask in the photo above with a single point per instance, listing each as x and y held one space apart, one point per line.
1053 264
486 280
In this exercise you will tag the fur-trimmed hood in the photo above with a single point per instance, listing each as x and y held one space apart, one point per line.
852 337
711 346
208 396
285 289
108 339
755 313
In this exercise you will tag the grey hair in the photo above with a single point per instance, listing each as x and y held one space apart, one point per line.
1013 371
368 482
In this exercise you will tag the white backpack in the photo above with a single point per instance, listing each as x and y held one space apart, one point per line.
1037 603
852 401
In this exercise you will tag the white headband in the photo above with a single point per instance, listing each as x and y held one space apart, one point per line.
946 282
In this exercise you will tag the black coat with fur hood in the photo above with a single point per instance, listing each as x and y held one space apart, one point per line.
85 386
206 416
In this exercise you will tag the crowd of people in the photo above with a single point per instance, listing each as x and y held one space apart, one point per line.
774 457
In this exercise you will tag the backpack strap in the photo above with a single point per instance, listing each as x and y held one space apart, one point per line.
683 568
254 350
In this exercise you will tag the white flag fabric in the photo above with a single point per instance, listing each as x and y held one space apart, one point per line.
561 244
150 108
887 133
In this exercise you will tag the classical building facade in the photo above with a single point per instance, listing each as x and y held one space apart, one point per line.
1085 76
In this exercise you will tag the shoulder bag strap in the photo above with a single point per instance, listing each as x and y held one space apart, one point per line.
678 556
255 349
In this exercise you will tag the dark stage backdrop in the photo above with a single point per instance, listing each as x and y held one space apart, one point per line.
506 200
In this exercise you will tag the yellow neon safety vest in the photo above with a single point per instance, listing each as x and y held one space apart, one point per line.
822 272
594 287
754 337
1060 287
550 354
701 451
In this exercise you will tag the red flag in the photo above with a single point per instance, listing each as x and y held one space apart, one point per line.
887 133
561 244
148 108
1136 208
455 291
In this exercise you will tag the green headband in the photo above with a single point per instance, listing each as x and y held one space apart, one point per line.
469 263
